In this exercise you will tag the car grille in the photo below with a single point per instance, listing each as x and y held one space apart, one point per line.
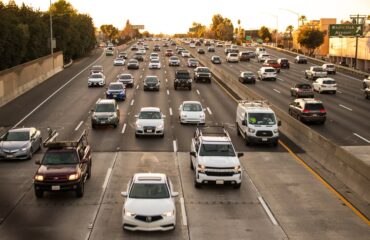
148 218
56 179
10 151
149 129
264 133
219 174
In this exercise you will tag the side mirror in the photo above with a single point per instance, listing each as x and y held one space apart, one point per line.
38 162
244 123
175 194
279 123
194 154
124 194
92 110
240 155
136 115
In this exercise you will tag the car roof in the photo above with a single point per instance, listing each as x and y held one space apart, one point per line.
307 100
149 178
21 129
115 83
216 139
191 102
106 101
150 109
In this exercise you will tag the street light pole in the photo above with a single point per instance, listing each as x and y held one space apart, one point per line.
51 35
291 11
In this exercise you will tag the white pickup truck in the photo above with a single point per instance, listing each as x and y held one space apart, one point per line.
315 72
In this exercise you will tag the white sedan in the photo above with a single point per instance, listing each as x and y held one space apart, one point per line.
149 204
192 112
325 85
185 53
119 62
154 64
149 122
96 79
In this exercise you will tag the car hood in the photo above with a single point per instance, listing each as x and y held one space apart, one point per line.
103 114
150 122
220 162
149 207
115 91
13 145
51 170
193 114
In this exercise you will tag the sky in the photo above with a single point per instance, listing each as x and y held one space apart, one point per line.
174 16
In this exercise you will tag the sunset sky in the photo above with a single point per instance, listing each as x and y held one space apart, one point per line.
171 16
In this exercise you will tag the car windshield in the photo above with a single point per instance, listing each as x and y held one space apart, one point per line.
155 60
216 58
247 74
119 59
150 115
304 86
96 69
115 87
96 76
104 108
192 107
151 80
328 82
269 70
132 62
203 70
125 76
330 66
149 191
261 118
318 69
221 150
314 106
57 158
174 58
17 136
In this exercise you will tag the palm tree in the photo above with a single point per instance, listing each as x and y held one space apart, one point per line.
289 29
302 18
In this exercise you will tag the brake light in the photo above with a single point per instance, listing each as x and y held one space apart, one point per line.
322 110
306 111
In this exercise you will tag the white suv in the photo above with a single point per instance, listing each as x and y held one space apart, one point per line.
267 73
232 57
96 79
192 112
213 158
150 121
263 57
149 203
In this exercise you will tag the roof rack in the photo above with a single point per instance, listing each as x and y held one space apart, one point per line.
212 130
51 143
254 103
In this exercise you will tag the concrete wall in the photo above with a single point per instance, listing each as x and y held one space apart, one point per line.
349 169
19 79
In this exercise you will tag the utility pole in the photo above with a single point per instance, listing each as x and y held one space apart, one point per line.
51 35
356 20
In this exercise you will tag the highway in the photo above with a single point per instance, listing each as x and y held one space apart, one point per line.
278 199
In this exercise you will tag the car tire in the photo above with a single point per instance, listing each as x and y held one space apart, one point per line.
237 185
275 143
191 164
334 92
115 125
322 122
162 136
238 130
190 88
39 193
137 135
30 155
196 184
80 189
89 171
93 126
247 143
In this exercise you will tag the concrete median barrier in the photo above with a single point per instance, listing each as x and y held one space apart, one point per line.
20 79
349 169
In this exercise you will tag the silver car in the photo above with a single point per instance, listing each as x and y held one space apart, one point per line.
20 143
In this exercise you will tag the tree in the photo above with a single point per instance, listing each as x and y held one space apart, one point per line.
109 31
198 29
310 39
225 30
264 34
289 29
216 20
303 19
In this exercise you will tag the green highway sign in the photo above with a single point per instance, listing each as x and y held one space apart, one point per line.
248 38
345 30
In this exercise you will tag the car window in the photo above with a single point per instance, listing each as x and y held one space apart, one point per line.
269 70
17 136
304 86
314 106
150 115
57 158
105 108
328 82
151 80
96 76
125 77
261 118
222 150
149 191
115 87
191 107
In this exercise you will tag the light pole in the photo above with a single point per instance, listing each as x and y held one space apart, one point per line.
51 35
291 11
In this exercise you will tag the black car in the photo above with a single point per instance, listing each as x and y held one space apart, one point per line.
133 64
151 83
304 90
139 56
211 49
122 55
247 77
201 51
300 59
157 48
182 79
216 60
308 110
284 63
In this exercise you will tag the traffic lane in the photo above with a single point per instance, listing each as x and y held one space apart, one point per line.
15 181
108 224
302 205
148 99
226 213
58 214
14 111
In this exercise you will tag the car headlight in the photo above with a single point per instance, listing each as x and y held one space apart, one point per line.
94 117
138 125
183 115
251 130
201 168
130 214
73 176
24 149
160 126
238 169
276 130
168 214
202 116
112 116
39 178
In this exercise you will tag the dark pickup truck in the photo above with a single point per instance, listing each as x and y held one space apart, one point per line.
66 166
182 79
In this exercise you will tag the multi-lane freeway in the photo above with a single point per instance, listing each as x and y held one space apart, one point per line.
278 199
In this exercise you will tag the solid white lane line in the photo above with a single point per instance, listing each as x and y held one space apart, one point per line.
79 125
339 91
349 76
137 87
124 128
107 176
174 145
170 111
165 72
166 80
141 76
58 90
345 107
198 92
132 102
276 90
168 92
368 141
183 212
209 111
281 79
268 211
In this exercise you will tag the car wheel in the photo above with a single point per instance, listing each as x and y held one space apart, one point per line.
93 126
191 164
190 88
196 184
115 125
299 118
247 143
322 122
334 92
275 143
39 193
30 155
40 145
89 172
162 136
175 87
80 189
237 186
237 129
137 135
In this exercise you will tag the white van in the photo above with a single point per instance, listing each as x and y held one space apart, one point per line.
260 50
256 122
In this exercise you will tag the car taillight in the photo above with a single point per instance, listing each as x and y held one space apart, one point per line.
322 110
306 111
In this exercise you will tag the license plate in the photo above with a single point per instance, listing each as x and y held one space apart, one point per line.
149 131
9 156
314 115
219 182
151 87
102 122
55 188
264 139
115 95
